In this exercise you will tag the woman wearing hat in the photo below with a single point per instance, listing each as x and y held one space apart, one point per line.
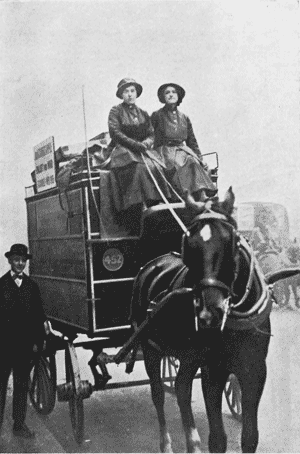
132 137
176 145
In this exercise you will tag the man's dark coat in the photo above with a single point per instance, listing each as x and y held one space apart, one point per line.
21 314
21 326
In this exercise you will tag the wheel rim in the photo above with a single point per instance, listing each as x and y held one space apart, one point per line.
75 403
76 414
233 395
42 384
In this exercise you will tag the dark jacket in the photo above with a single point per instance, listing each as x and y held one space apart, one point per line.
21 314
129 127
165 132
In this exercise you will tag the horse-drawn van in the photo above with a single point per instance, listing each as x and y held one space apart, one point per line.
184 293
85 264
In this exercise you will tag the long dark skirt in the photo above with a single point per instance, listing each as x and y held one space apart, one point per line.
133 185
184 171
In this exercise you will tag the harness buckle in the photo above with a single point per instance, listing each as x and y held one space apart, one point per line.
197 304
226 312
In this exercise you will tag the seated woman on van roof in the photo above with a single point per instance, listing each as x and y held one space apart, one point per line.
176 145
132 137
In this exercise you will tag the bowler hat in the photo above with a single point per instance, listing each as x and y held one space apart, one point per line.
18 249
126 83
179 89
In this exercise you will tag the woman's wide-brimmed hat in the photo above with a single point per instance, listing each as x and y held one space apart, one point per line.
126 83
18 249
179 89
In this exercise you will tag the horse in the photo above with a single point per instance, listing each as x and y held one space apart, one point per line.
214 312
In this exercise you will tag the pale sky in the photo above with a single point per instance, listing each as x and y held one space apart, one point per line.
237 60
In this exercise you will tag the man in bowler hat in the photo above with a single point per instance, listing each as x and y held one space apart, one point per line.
22 334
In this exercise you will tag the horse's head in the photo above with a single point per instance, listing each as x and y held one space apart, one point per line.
210 251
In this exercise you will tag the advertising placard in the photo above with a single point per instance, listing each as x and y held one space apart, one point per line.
44 164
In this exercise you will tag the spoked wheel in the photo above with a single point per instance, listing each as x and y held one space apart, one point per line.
42 384
233 396
76 399
169 371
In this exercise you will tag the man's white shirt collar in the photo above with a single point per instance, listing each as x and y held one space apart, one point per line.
17 281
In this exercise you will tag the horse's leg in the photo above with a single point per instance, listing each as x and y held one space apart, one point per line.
252 383
152 359
183 387
213 383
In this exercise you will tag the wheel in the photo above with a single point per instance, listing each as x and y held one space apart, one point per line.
76 400
42 384
233 394
169 370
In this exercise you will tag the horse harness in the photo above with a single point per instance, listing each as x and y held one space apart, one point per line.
233 317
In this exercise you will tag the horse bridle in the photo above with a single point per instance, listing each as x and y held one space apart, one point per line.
213 282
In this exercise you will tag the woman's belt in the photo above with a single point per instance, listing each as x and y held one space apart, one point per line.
177 143
173 143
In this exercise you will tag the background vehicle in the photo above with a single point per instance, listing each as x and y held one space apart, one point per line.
266 226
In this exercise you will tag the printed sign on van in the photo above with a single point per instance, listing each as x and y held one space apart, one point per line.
44 164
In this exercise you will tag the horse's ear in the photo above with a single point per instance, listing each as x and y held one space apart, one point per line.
228 201
191 202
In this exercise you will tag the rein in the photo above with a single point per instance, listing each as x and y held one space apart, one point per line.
169 206
251 274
